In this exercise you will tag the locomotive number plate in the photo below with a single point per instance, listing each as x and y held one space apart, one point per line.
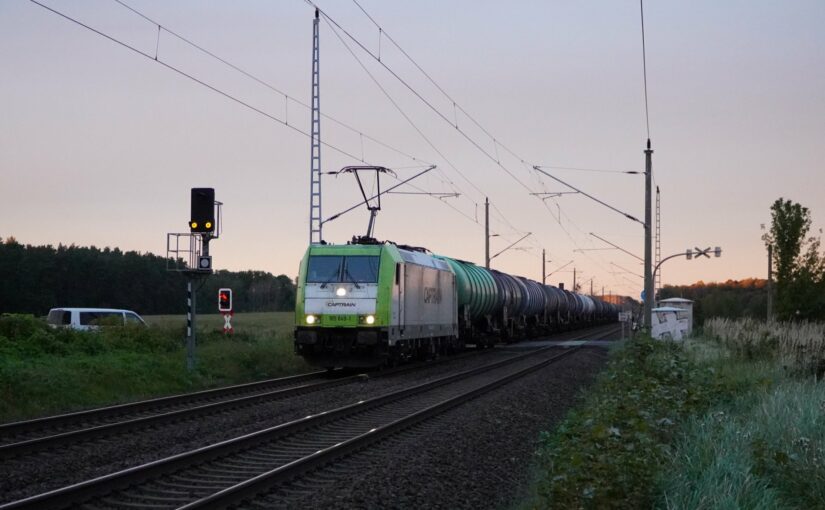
340 320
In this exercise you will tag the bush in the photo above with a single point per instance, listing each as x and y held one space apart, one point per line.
15 326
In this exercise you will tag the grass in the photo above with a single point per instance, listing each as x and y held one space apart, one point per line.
764 451
46 371
275 325
764 448
713 423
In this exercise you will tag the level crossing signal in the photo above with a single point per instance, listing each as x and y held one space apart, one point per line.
225 300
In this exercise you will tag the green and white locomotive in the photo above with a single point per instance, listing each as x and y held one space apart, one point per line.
365 304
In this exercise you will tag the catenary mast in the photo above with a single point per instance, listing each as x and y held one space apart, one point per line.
315 224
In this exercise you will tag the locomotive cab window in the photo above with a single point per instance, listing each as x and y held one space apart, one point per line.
361 269
324 269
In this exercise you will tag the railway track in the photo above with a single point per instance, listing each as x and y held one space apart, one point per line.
27 437
24 437
227 472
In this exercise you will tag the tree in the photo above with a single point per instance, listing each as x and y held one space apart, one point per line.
799 267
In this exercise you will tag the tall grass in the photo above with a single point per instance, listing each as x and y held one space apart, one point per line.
798 345
766 451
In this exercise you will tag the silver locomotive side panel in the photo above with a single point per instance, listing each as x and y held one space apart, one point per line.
427 303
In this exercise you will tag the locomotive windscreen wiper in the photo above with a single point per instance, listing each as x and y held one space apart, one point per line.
347 274
327 282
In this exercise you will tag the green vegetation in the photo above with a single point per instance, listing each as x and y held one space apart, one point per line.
37 278
734 420
47 371
800 268
766 450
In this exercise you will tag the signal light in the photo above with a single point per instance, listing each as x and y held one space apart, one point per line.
202 219
224 300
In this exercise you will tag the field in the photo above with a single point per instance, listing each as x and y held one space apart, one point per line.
45 371
261 325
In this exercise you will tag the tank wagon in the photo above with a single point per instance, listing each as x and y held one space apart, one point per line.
361 305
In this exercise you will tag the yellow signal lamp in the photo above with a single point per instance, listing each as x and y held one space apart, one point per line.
208 224
193 224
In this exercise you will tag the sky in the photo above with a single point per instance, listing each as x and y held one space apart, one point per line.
99 145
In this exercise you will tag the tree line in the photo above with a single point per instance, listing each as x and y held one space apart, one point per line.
34 279
730 299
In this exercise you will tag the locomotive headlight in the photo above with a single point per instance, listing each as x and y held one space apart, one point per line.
340 292
311 319
370 319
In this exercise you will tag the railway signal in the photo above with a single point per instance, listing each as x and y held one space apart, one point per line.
225 307
188 254
202 218
225 300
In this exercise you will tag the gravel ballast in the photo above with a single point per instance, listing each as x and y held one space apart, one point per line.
477 455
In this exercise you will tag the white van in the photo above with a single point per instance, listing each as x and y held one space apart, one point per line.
90 318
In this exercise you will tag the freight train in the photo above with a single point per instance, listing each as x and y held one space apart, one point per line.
369 303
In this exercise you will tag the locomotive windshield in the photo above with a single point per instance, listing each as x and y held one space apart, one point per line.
351 269
324 269
361 269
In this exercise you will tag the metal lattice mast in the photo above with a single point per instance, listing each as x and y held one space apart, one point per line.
315 236
658 282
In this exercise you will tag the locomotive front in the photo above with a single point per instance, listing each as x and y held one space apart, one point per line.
342 310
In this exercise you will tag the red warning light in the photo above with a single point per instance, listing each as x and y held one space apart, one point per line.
225 300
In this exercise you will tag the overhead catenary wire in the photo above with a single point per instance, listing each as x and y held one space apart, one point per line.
591 197
601 170
333 24
453 122
398 107
221 92
288 98
416 93
455 104
266 84
406 116
644 66
194 79
456 107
